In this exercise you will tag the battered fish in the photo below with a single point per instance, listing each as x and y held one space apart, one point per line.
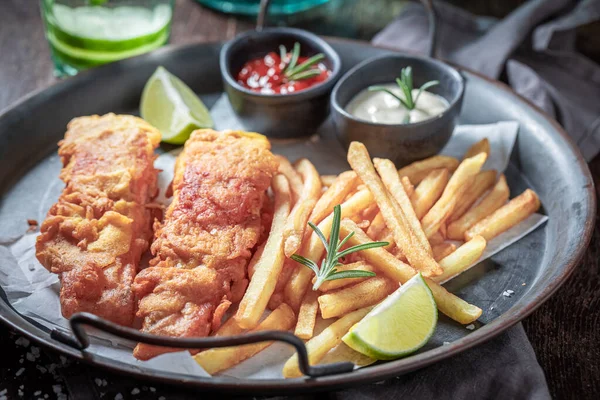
202 248
94 236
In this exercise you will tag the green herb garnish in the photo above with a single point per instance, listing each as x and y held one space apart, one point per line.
328 271
405 82
294 72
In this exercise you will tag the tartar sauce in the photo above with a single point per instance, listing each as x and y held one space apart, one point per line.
382 108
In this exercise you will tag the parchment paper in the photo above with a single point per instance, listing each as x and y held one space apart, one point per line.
33 291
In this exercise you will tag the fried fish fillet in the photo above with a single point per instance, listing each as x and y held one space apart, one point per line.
202 248
94 236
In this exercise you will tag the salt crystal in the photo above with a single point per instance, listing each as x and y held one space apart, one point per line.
37 393
41 369
57 389
46 395
63 360
135 391
2 397
162 398
508 293
3 392
21 361
21 341
446 343
20 393
104 383
152 389
470 327
119 396
523 284
30 357
98 381
35 351
20 371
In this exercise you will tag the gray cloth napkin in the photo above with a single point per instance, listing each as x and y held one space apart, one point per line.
533 48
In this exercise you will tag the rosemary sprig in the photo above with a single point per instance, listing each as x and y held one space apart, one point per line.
328 271
294 72
405 83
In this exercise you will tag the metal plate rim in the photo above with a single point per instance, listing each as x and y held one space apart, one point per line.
375 373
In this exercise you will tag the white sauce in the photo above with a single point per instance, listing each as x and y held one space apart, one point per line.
382 108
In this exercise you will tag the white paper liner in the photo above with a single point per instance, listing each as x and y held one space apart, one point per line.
34 292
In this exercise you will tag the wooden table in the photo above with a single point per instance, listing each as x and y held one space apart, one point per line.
565 331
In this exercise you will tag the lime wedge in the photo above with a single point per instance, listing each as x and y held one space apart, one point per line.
172 107
398 326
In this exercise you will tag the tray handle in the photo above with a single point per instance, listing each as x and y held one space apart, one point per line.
80 341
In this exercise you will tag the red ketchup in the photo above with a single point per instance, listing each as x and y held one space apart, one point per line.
265 75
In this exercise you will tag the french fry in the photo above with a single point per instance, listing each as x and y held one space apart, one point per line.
319 346
409 188
327 180
307 316
417 255
449 304
268 267
275 301
490 203
443 230
296 223
363 294
506 216
219 359
389 238
328 286
483 146
313 249
461 259
255 257
441 250
457 185
483 182
436 238
377 227
391 180
293 177
370 212
429 191
229 328
289 266
418 170
341 186
343 352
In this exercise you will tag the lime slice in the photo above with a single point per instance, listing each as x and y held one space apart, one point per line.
172 107
398 326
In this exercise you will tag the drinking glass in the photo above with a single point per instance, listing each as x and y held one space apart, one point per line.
87 33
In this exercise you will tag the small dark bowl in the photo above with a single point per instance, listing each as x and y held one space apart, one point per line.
278 115
402 143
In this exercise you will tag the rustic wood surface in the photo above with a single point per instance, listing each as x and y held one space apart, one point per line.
565 331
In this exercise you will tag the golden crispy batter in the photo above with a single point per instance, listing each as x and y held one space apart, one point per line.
203 246
94 236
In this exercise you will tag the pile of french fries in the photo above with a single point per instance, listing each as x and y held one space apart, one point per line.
422 210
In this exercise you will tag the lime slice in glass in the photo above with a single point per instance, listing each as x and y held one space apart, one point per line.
172 107
399 325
